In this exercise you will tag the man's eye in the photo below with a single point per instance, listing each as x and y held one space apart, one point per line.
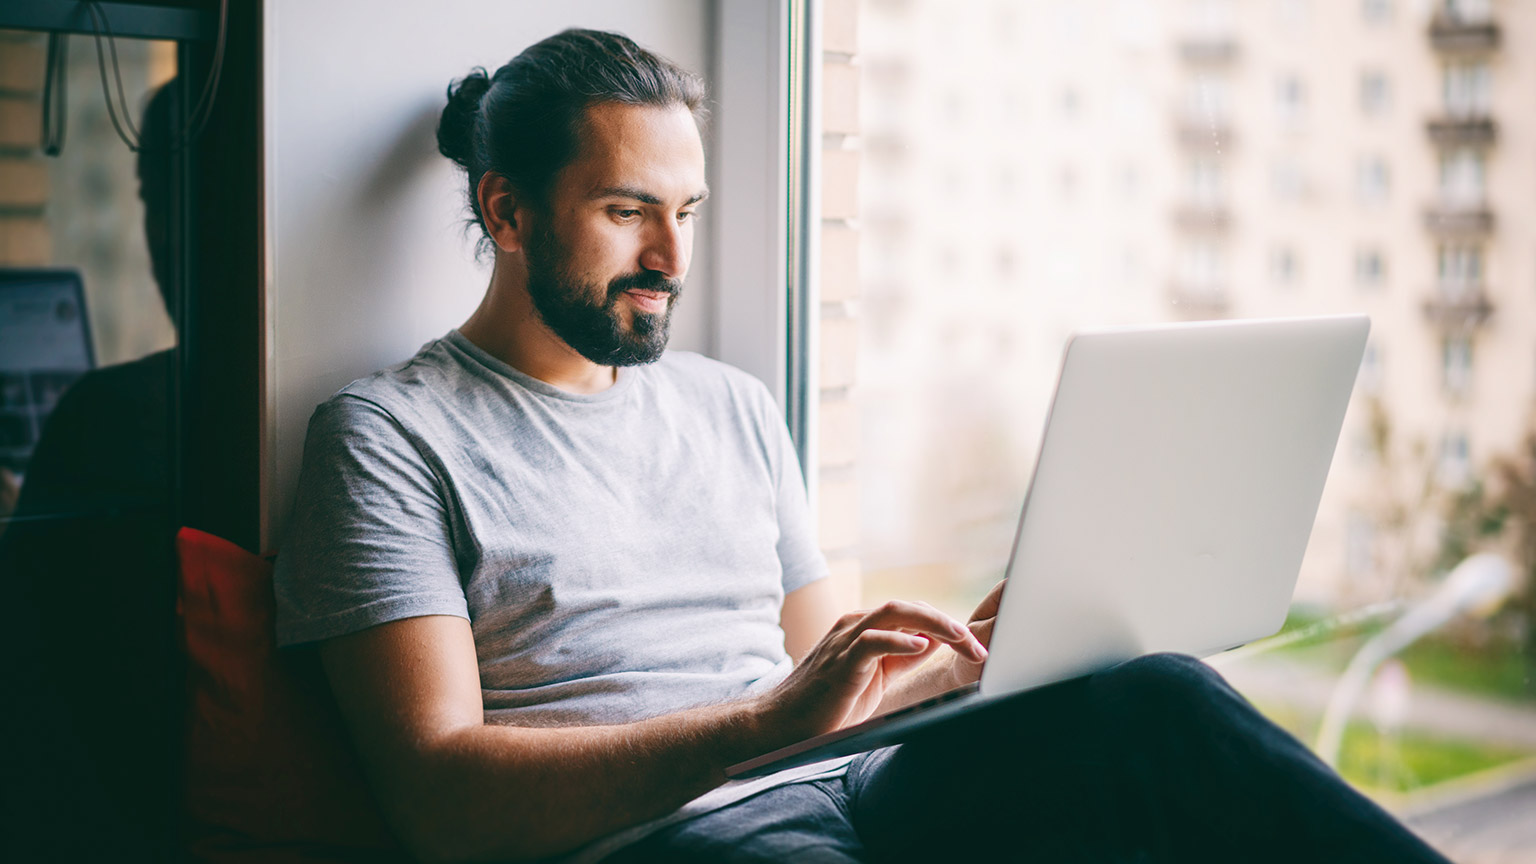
686 215
626 215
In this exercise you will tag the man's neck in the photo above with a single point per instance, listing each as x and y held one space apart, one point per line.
507 327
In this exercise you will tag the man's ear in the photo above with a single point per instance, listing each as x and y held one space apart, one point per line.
501 212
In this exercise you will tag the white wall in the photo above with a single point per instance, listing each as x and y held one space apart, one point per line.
368 256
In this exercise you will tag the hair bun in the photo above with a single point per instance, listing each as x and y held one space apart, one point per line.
456 129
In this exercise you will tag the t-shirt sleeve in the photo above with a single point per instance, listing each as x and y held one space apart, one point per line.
370 540
799 555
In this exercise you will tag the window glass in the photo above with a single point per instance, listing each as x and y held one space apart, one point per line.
1290 158
88 420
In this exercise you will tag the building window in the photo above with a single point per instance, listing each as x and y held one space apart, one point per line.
1376 11
1375 93
1285 180
1069 102
1370 268
1370 370
1468 90
1290 99
1207 99
1284 266
1203 182
1372 179
1462 177
1456 363
1455 463
1293 14
1460 270
1203 268
1467 11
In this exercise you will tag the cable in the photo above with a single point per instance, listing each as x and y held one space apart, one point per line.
197 120
55 93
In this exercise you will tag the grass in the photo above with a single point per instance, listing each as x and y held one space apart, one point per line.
1400 762
1500 669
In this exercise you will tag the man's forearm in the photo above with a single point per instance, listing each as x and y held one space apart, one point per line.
503 792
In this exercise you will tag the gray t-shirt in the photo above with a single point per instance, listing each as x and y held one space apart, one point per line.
619 555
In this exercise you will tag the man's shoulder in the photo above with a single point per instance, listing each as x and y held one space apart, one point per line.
428 369
395 393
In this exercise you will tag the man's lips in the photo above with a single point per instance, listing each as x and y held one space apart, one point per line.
654 302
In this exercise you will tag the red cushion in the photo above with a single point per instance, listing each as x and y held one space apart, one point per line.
270 773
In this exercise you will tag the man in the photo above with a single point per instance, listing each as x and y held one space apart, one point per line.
557 576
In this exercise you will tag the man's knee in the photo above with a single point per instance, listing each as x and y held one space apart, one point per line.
1171 682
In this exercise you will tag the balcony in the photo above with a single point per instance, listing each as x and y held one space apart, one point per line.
1458 308
1454 220
1204 133
1207 216
1208 48
1462 130
1450 34
1193 302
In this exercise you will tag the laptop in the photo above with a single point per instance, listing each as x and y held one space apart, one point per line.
1177 481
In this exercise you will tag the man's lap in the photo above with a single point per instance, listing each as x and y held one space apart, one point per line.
807 821
1157 759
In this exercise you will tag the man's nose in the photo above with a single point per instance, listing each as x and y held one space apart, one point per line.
666 250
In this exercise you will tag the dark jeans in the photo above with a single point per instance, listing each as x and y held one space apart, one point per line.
1155 760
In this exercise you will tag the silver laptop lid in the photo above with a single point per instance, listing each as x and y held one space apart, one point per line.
1178 479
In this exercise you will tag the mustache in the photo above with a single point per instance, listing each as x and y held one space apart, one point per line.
645 280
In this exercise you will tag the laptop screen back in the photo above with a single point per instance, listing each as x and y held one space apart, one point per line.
1178 480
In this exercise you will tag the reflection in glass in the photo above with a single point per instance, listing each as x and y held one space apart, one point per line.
87 431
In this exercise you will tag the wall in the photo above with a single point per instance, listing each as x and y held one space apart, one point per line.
368 256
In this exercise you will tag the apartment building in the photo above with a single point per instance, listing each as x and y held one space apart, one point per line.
1032 167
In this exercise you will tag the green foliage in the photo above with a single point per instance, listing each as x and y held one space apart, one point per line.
1400 762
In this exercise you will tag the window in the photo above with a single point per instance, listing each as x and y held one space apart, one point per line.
1293 15
1206 99
1203 268
1290 99
1461 178
1285 179
1203 187
1468 90
1211 18
1460 270
1284 266
1375 93
1467 11
1454 468
1370 269
1372 180
1325 189
1069 101
1369 380
1456 363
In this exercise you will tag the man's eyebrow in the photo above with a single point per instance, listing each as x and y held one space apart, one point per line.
637 194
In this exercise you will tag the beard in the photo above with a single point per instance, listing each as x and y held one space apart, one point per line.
586 316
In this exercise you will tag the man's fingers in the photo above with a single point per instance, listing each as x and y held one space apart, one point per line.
928 621
987 608
982 630
871 645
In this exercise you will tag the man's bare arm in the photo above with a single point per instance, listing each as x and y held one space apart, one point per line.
457 789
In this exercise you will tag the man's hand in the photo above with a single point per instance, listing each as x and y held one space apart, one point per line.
964 669
846 675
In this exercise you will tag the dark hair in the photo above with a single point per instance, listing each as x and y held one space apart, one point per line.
524 122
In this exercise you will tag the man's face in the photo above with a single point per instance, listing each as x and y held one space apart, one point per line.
607 255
